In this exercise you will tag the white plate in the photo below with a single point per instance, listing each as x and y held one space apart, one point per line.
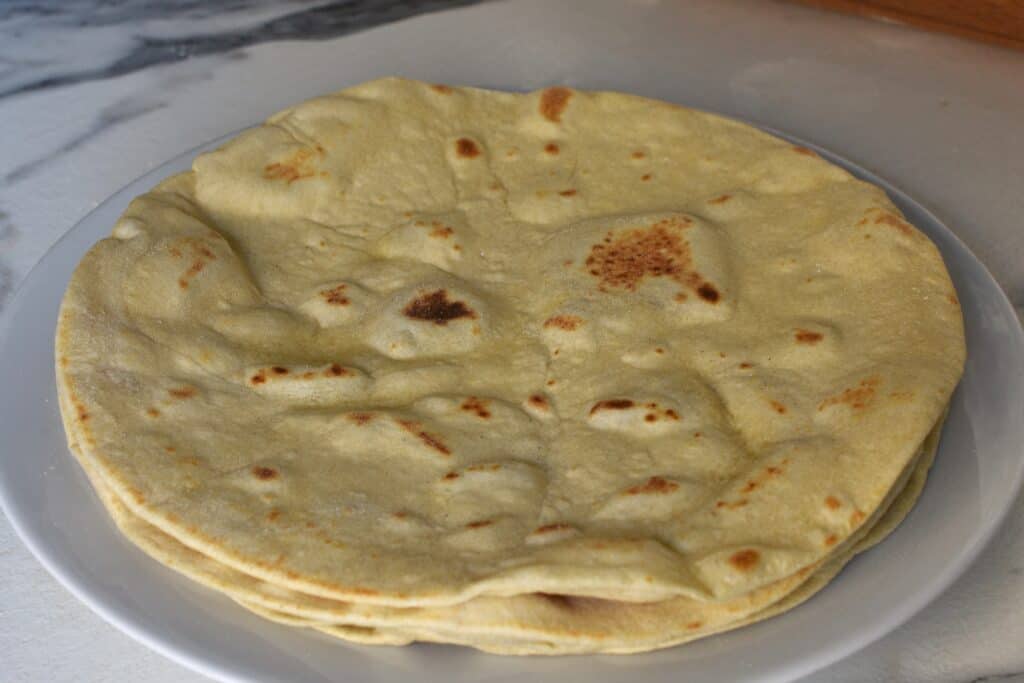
51 505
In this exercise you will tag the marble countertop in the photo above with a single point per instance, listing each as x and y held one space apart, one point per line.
93 94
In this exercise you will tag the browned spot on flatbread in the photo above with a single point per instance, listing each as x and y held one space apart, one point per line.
833 503
708 292
538 401
856 517
693 625
441 230
645 177
612 404
858 397
807 336
567 193
720 199
484 467
564 322
479 524
273 514
553 102
279 370
153 412
745 366
264 473
441 88
296 167
806 152
427 438
551 148
893 221
638 154
548 528
744 560
336 370
951 298
476 405
830 540
466 148
335 296
778 407
623 261
436 308
732 505
182 392
360 418
658 485
451 476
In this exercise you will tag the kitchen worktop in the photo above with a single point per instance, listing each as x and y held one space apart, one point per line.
93 94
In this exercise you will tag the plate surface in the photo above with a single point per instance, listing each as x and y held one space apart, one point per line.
47 498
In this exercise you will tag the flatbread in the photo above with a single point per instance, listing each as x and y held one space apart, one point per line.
412 346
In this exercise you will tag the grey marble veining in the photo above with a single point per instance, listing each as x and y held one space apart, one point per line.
41 40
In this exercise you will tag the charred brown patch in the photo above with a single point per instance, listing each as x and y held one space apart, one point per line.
623 261
856 517
807 336
563 601
564 322
645 177
858 397
451 476
745 366
734 505
833 503
720 199
436 308
264 473
182 392
893 221
778 407
638 154
335 296
441 231
476 405
693 625
279 370
612 404
744 560
671 414
479 524
567 193
806 152
538 401
830 540
360 418
429 439
296 167
553 102
549 528
153 412
336 370
650 417
441 88
708 292
273 515
484 467
466 148
951 298
551 148
653 485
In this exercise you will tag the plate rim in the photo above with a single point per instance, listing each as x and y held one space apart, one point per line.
840 649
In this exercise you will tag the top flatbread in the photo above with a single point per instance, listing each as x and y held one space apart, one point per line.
408 344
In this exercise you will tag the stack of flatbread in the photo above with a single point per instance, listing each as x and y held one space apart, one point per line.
549 373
